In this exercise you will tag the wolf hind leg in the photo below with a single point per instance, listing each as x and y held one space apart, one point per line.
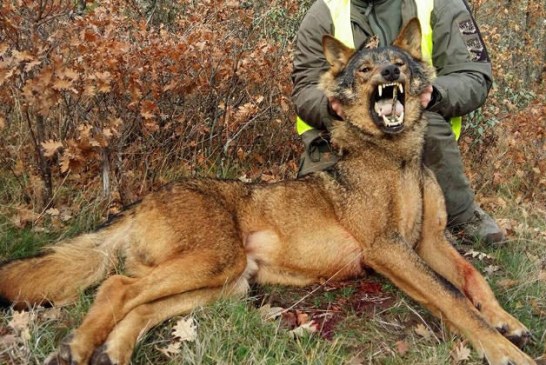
118 347
444 259
118 295
120 343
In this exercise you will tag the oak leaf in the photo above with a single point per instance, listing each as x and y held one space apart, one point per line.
50 147
185 329
172 349
460 353
423 331
304 329
60 84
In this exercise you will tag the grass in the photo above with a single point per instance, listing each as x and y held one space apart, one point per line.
382 328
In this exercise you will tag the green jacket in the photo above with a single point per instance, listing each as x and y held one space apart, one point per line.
459 55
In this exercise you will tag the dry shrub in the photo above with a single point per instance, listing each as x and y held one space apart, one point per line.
125 95
115 98
504 146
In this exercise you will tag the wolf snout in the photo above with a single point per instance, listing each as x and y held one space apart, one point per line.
391 72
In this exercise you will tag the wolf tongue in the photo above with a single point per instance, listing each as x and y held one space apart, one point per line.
383 107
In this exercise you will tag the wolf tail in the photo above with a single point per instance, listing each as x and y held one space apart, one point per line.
64 270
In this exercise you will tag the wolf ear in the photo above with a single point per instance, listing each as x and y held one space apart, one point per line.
409 39
336 53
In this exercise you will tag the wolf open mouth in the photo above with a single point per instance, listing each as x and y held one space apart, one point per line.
388 107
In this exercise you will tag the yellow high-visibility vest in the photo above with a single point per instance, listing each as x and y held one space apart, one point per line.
341 17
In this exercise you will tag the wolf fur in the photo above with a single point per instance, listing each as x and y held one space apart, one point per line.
195 241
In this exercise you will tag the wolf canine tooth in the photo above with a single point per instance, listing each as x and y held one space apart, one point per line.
380 90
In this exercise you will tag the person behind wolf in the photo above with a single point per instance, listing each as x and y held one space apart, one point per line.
463 67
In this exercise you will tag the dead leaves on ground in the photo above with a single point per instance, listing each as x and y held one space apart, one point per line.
185 330
16 335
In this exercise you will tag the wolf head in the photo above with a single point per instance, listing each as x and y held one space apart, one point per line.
379 88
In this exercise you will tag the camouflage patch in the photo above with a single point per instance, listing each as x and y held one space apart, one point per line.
467 27
473 40
476 49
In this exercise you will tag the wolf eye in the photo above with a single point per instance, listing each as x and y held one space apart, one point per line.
399 63
365 69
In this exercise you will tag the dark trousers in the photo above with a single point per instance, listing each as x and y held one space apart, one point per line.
443 157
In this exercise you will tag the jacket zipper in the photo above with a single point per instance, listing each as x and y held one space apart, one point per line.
384 42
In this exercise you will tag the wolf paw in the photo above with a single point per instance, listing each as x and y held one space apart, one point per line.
519 336
507 354
64 355
100 357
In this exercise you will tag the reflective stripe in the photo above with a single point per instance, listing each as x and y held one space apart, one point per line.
424 10
456 126
340 10
301 126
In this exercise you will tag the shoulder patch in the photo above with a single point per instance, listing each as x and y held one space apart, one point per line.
468 27
473 40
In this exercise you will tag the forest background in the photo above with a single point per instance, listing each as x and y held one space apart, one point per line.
104 101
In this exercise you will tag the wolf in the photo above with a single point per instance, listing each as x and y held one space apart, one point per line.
201 239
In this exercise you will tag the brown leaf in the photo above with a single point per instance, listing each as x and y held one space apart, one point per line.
460 352
267 312
304 329
29 66
423 331
402 347
50 147
171 350
479 255
54 212
62 84
507 283
185 329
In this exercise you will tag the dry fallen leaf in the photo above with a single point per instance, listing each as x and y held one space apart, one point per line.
423 331
20 320
8 340
402 347
54 212
185 329
491 269
172 349
460 352
542 275
306 328
507 283
267 312
479 255
50 147
538 309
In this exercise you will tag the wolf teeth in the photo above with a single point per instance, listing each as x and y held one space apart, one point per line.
395 84
396 121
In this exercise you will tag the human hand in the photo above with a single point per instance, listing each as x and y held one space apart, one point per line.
335 106
426 96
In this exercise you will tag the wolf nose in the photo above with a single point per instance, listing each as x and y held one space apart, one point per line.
391 73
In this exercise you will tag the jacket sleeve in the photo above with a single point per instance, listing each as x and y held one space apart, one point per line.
461 60
309 63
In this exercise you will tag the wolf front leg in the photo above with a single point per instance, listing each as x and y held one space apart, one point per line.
443 258
397 261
